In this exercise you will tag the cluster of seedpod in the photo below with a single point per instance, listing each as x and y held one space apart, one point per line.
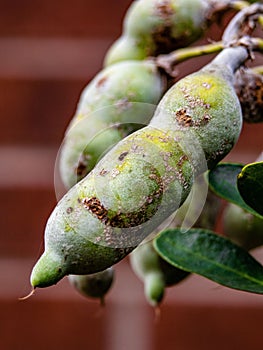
136 144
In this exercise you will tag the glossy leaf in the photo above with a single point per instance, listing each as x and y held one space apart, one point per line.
205 253
223 182
250 185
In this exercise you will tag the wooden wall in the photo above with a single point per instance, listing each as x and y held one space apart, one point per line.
49 50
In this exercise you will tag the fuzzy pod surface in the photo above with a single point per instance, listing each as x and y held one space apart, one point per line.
205 105
153 27
107 214
125 48
119 100
142 180
165 25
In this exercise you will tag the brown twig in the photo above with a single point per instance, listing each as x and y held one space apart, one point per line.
242 24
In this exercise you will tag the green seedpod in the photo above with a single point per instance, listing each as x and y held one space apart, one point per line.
163 26
242 227
123 49
95 285
155 27
142 180
119 100
155 273
249 88
135 186
205 104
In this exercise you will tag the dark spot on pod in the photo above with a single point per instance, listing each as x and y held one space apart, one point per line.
164 40
164 9
94 205
81 168
69 210
205 120
123 155
102 81
182 160
183 118
163 36
103 172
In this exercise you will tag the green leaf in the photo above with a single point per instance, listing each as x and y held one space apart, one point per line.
250 185
205 253
223 182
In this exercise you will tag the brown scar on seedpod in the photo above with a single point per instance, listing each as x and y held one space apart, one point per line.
183 118
123 155
103 172
94 205
163 36
69 210
101 81
164 9
81 168
164 40
127 219
205 120
182 159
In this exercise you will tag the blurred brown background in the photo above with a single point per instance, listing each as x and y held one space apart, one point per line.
49 50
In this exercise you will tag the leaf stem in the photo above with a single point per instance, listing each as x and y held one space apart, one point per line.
169 61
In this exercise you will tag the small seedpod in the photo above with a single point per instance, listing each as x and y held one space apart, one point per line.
155 273
163 26
249 88
153 27
95 285
150 268
242 227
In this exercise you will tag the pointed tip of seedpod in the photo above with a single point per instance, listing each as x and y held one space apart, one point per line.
32 292
47 271
157 313
154 288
